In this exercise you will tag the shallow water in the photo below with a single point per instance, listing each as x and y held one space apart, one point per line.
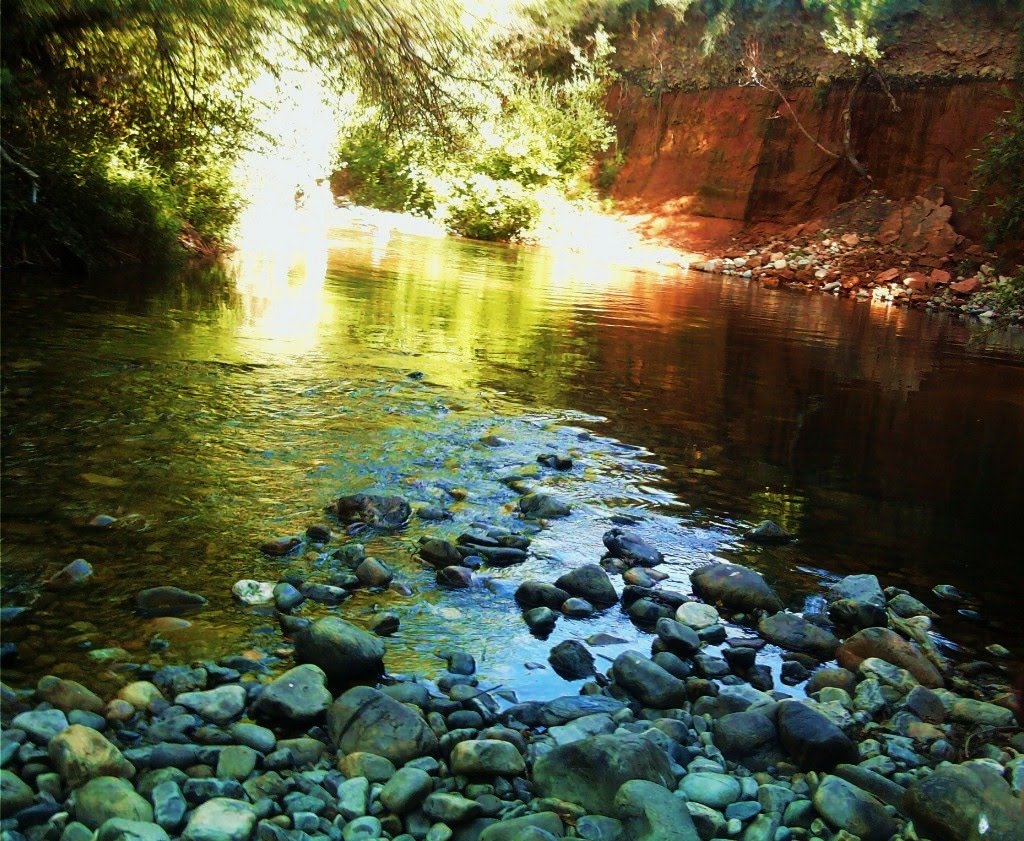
214 410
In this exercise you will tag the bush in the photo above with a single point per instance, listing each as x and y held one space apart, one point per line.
998 178
485 208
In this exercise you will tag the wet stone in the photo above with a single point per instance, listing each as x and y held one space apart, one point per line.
710 789
169 806
220 819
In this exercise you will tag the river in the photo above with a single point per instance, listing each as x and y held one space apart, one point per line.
215 409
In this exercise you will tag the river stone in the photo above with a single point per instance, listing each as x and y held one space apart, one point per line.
140 694
41 725
631 548
68 695
250 592
219 705
860 588
570 707
747 737
571 660
374 573
456 577
678 638
287 596
386 512
341 649
851 613
169 805
487 756
735 587
15 794
119 829
440 553
886 673
521 828
591 771
77 572
650 812
954 802
844 806
768 533
450 808
166 601
364 719
542 506
647 681
103 798
540 594
540 619
905 606
220 819
589 582
710 788
811 739
696 615
600 828
80 753
406 790
889 646
970 711
795 633
300 696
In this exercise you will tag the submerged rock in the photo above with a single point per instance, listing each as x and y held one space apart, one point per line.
167 601
542 506
768 533
250 592
386 512
77 572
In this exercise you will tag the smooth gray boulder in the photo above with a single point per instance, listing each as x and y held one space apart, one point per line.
844 806
647 681
650 812
343 650
591 771
794 633
589 582
735 587
364 719
811 739
299 696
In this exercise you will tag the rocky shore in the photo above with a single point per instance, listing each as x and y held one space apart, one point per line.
876 249
873 733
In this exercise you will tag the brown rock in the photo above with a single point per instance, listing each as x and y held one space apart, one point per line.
888 276
68 695
80 753
889 646
939 276
965 287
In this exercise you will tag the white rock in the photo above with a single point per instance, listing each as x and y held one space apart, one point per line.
250 592
780 264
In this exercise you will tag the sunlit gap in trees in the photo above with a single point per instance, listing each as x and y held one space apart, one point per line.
282 232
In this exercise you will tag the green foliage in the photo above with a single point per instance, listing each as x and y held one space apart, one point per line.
486 208
122 116
998 177
531 133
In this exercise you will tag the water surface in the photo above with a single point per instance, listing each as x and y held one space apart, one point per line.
216 409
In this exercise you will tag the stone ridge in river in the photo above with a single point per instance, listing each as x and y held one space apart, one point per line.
734 587
887 645
794 633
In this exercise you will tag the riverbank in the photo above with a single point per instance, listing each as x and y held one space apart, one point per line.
904 253
871 731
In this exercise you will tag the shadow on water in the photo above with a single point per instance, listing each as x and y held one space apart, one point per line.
215 409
